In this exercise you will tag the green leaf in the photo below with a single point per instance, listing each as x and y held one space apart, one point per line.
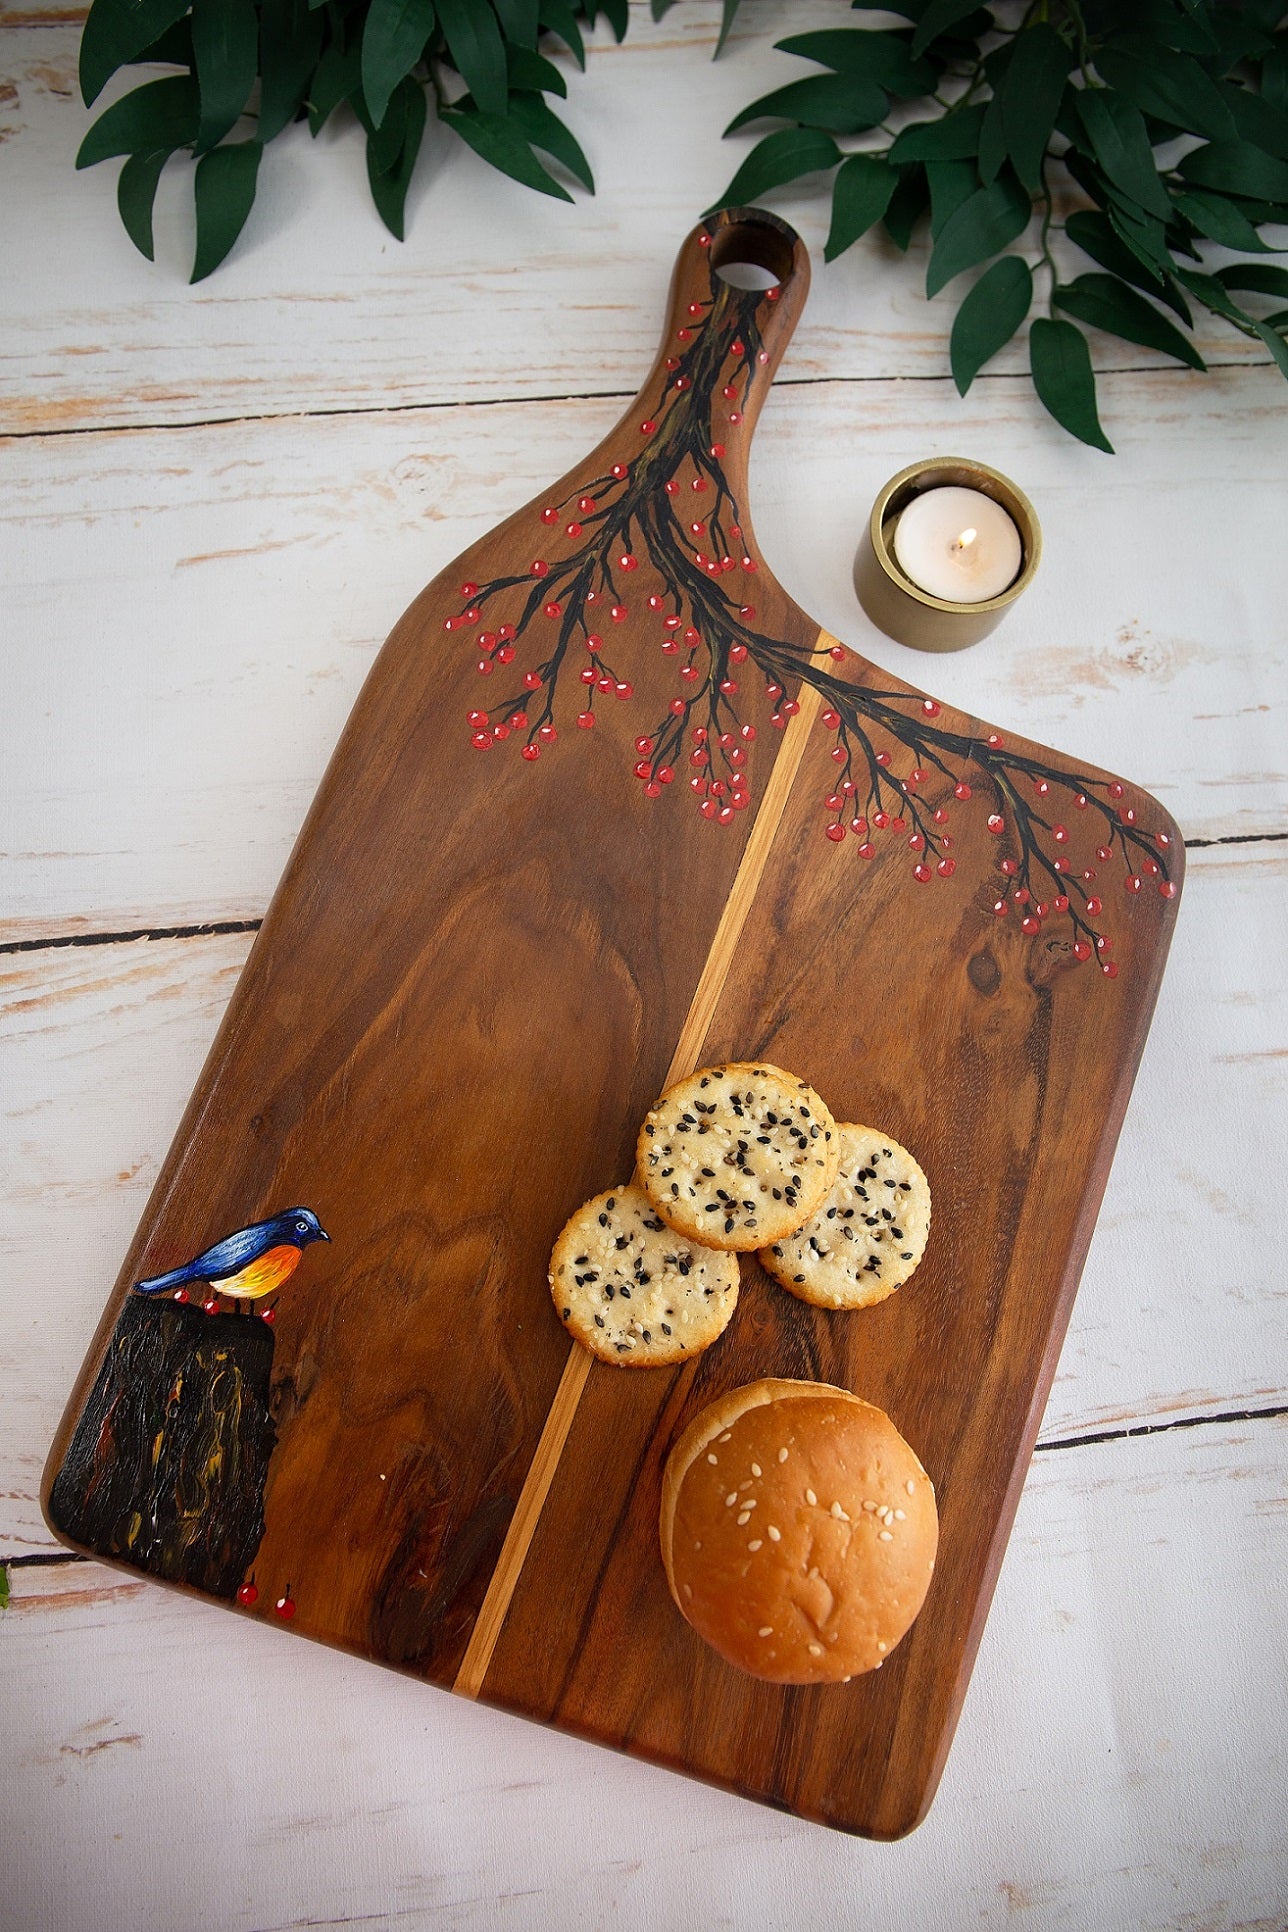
136 192
337 77
1064 379
908 202
1120 142
393 40
778 159
389 185
559 18
727 14
1261 121
953 137
992 143
160 114
1170 86
1275 343
173 48
1110 305
519 21
1258 278
989 317
951 183
616 12
290 41
861 194
4 1586
1091 232
478 54
500 142
533 73
1207 290
116 32
1031 96
1274 78
225 191
546 131
938 17
984 225
843 103
1237 168
1144 235
1221 221
225 41
868 54
1162 23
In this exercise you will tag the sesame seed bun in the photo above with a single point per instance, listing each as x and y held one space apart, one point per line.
798 1531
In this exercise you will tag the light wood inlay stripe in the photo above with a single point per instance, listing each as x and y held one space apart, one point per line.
541 1473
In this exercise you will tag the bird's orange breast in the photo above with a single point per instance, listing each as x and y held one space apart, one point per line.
261 1277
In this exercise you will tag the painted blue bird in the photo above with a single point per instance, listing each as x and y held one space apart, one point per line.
247 1265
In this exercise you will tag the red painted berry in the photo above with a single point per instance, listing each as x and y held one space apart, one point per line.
619 470
644 746
181 1294
553 610
469 590
728 686
946 868
269 1315
587 674
921 873
518 720
532 680
285 1605
532 753
550 516
1081 950
1010 868
996 823
961 791
1061 902
1029 924
627 562
1133 882
717 450
677 707
708 808
485 667
866 850
688 672
1094 906
940 815
618 613
481 740
1059 834
725 815
1116 790
539 568
750 565
880 820
930 708
836 833
1103 852
1021 895
1167 889
831 719
1041 787
211 1304
586 719
995 739
574 530
1080 802
623 691
647 426
1109 968
248 1594
1000 908
898 824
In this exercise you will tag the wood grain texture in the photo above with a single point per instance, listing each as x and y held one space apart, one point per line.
455 920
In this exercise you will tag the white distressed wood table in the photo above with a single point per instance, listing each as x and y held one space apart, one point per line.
213 504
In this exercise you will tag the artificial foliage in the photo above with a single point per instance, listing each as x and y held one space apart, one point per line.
1146 132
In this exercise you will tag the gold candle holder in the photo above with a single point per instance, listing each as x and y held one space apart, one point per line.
901 608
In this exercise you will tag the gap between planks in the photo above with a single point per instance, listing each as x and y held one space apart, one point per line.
554 1434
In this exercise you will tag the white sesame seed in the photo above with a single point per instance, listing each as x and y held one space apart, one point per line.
878 1663
911 1487
755 1543
755 1469
697 1544
810 1497
883 1648
744 1517
731 1499
886 1536
725 1437
713 1458
766 1630
932 1562
868 1503
816 1650
782 1455
749 1502
901 1516
775 1535
688 1589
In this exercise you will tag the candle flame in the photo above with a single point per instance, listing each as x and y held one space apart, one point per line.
966 538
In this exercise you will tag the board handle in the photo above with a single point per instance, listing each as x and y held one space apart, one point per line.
738 287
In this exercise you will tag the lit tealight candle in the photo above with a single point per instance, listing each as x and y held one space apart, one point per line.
957 544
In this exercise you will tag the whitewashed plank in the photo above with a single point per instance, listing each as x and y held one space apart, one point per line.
190 613
497 292
1182 1310
1120 1759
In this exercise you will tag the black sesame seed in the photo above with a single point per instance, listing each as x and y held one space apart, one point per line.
566 1313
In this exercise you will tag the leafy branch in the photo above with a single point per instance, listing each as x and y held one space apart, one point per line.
1168 117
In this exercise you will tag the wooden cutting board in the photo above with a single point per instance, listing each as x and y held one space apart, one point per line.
497 940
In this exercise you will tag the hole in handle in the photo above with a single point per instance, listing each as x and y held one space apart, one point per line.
751 255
